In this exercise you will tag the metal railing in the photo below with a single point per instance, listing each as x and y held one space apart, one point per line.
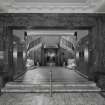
51 80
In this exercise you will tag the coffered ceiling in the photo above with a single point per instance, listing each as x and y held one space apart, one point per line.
52 6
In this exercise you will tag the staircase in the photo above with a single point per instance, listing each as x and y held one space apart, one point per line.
23 87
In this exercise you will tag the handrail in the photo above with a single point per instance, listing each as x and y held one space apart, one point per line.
51 80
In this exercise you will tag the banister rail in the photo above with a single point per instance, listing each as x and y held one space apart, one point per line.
50 79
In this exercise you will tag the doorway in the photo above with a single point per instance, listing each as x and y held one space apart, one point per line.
57 46
51 56
48 42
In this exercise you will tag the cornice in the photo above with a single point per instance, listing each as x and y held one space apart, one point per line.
32 7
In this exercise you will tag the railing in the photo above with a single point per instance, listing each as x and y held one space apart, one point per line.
51 79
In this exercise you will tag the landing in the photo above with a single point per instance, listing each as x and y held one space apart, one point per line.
59 75
57 99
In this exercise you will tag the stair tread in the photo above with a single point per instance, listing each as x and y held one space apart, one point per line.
53 87
29 85
54 83
57 90
45 87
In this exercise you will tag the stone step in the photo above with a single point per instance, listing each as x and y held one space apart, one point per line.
57 89
24 87
25 84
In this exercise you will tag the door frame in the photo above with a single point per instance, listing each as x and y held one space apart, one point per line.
9 34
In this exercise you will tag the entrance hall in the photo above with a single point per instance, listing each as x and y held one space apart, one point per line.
53 56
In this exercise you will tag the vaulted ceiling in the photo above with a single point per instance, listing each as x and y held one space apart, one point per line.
52 6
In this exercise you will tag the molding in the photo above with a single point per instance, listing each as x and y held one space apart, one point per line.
50 8
38 7
47 32
52 1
